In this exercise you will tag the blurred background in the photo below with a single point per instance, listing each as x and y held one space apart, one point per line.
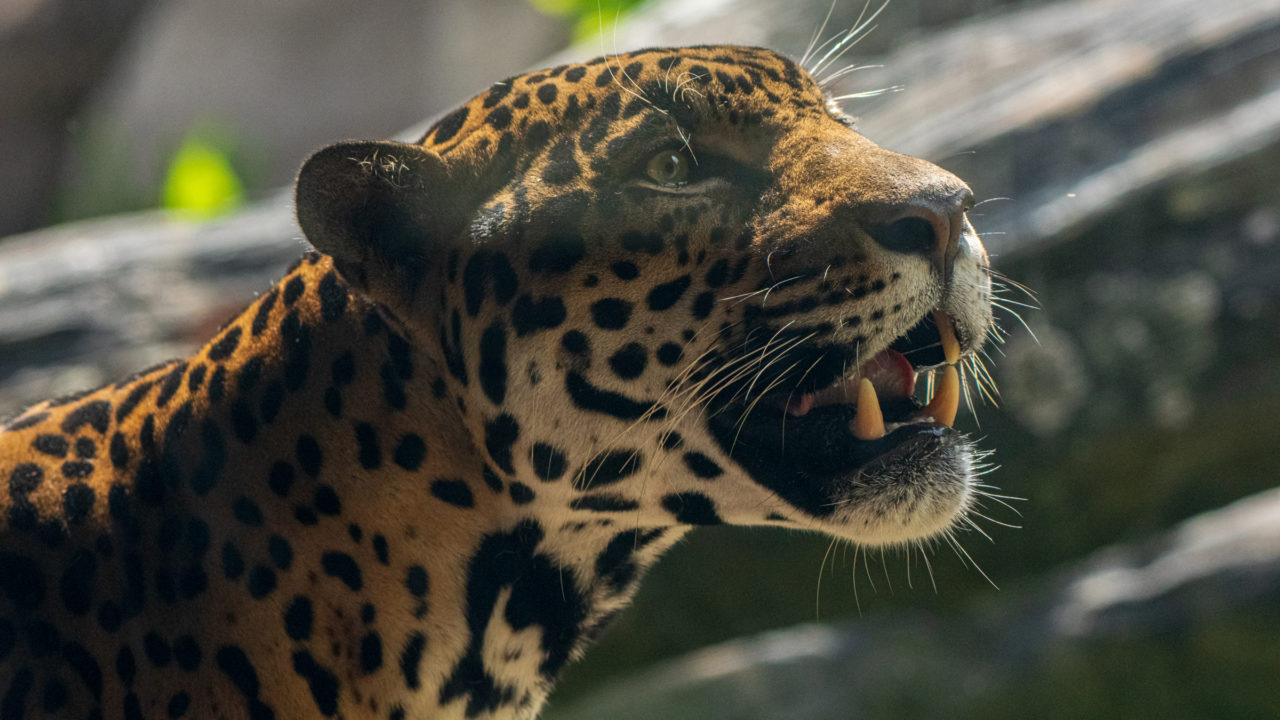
1127 156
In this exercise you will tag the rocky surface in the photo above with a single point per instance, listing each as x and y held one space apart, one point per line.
1098 639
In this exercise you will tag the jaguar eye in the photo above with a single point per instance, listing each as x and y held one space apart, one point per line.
668 169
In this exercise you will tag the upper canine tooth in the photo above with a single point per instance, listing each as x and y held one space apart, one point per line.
869 424
946 398
947 330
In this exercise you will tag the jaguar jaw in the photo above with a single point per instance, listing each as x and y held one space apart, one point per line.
861 453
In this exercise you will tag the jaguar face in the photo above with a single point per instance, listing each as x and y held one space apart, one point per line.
682 281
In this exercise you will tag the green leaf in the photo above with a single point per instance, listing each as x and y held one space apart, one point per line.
200 181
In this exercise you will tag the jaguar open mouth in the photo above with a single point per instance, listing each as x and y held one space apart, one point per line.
809 445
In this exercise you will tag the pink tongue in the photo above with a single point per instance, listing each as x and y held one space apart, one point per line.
799 405
890 372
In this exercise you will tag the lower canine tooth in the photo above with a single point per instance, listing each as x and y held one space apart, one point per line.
947 331
946 398
869 424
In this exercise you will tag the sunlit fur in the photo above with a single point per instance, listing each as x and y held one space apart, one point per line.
418 475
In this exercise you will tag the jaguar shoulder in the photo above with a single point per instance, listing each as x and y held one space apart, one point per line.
594 307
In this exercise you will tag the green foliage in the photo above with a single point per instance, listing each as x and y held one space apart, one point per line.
200 180
589 17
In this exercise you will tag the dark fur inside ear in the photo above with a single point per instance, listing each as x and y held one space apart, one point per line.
380 209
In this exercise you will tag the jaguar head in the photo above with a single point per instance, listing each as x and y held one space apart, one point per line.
677 286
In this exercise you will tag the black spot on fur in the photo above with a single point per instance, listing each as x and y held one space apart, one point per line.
131 400
702 305
415 581
611 313
273 397
629 361
493 362
232 561
557 254
247 511
179 703
170 383
664 296
562 166
641 242
342 566
625 270
454 492
187 652
261 582
118 451
293 290
370 653
669 354
575 342
521 494
616 563
370 452
308 454
608 468
95 414
333 297
702 466
55 445
411 658
548 462
217 384
296 338
449 125
157 650
222 349
320 680
243 424
327 501
297 618
499 435
410 452
280 551
541 593
718 275
691 508
604 502
547 93
499 118
593 399
263 314
84 666
77 502
280 478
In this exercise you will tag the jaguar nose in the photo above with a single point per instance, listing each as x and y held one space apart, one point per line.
928 224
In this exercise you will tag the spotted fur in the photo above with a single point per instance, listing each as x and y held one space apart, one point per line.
422 471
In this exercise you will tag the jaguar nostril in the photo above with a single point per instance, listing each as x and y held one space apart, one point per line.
928 225
911 235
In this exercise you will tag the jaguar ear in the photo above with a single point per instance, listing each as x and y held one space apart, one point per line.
381 209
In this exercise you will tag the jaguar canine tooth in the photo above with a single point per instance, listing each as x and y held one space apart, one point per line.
947 330
946 398
869 424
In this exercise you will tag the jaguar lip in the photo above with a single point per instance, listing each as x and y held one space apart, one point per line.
883 383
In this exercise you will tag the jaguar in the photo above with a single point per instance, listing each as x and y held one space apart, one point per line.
596 306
